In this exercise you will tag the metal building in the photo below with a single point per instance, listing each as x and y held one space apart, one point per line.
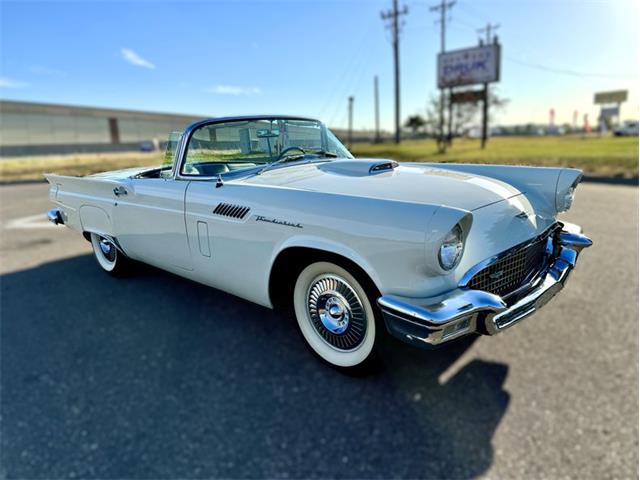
28 128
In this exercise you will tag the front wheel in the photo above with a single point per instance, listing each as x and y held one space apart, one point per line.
108 257
335 315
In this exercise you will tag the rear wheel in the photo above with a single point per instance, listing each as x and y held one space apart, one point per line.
335 315
108 257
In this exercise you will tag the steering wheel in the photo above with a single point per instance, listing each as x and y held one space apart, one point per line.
286 150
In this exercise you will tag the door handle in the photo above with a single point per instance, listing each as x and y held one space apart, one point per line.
119 191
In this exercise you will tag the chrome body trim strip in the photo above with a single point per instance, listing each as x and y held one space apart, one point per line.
464 311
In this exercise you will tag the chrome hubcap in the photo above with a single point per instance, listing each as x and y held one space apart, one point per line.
108 249
333 312
336 312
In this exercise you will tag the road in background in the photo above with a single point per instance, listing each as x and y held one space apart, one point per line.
158 377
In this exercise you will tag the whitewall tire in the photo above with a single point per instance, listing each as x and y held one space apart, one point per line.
107 255
334 314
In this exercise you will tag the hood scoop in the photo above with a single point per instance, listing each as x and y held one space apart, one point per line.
359 167
384 166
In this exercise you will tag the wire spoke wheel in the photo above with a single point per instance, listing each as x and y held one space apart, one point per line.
334 314
106 253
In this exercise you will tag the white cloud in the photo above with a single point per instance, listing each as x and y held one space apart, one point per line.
46 71
134 59
233 90
10 83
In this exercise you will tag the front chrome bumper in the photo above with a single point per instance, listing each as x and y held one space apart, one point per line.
464 311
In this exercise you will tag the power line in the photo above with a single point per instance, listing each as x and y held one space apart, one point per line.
350 82
563 71
464 24
473 13
336 92
392 16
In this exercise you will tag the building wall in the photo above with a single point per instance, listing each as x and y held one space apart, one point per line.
38 129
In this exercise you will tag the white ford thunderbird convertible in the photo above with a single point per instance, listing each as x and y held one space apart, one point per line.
274 209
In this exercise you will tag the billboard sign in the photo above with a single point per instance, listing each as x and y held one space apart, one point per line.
609 112
467 96
469 66
617 96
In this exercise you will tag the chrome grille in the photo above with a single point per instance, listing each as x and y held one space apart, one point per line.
511 271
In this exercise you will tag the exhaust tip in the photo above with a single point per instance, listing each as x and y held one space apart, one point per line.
55 216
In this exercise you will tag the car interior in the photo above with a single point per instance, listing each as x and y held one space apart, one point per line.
220 148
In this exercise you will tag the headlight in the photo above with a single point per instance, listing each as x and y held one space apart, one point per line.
451 248
567 199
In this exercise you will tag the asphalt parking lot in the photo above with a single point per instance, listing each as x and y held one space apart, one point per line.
158 377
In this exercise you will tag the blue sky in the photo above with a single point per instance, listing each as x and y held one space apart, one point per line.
306 57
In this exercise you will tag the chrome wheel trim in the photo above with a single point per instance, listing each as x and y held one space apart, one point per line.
336 312
105 251
108 249
334 356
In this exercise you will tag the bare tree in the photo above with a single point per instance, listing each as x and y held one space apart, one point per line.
465 115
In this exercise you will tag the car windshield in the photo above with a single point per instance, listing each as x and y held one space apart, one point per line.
218 148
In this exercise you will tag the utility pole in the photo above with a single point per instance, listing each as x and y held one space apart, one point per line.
442 8
392 16
488 30
485 105
376 103
350 121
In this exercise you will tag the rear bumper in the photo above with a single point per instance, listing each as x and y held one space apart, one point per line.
431 322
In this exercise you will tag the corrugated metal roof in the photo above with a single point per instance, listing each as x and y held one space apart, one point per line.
14 106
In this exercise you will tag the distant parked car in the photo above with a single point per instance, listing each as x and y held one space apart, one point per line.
147 146
628 129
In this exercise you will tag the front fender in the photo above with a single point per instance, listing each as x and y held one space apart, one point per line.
330 246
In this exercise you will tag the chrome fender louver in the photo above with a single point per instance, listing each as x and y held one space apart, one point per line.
230 210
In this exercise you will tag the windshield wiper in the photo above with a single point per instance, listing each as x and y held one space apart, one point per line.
324 153
288 158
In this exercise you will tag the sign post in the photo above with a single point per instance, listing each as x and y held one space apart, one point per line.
450 126
485 116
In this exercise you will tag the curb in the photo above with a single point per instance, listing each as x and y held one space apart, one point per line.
630 181
11 183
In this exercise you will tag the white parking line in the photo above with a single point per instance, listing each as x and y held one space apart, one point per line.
26 223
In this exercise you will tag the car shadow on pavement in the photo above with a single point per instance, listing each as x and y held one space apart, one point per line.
155 376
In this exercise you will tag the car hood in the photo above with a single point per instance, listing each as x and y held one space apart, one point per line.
386 179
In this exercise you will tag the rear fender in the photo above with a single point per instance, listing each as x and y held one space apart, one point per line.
95 220
87 202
